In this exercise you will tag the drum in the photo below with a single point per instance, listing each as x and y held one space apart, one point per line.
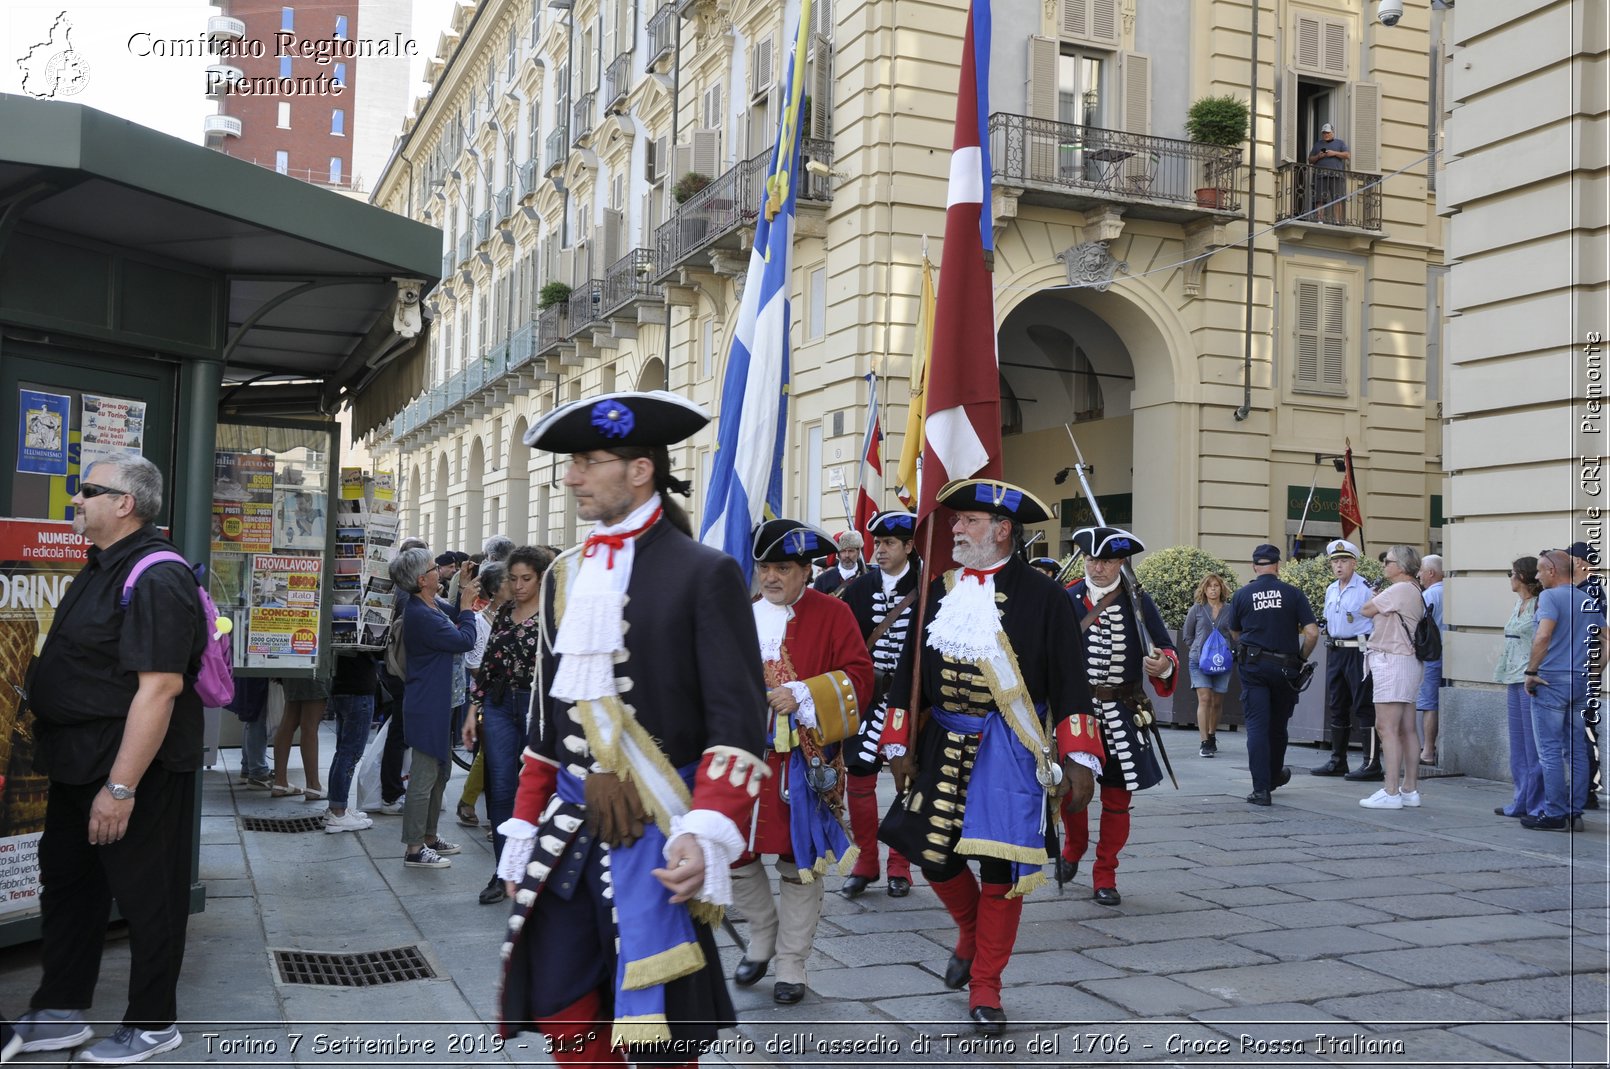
837 713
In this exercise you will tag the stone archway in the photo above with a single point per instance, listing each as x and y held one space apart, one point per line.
474 506
518 526
413 494
652 377
438 535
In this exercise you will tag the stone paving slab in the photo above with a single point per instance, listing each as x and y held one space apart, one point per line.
1560 956
1440 1047
1446 930
1240 897
1302 944
1142 929
1541 1042
1426 907
1414 1007
1254 984
908 921
1431 966
1177 956
1359 889
1145 994
1302 914
1543 996
880 948
868 981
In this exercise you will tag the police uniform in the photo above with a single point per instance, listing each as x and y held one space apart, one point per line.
1349 694
1267 616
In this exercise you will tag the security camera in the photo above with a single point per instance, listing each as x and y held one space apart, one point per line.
406 319
1389 11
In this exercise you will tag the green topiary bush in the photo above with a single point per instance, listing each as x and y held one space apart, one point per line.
551 294
1171 576
1313 575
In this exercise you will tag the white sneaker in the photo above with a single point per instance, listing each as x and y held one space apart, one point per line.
351 820
1411 799
128 1045
390 809
1381 800
426 859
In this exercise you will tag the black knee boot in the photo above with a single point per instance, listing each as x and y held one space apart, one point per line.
1371 772
1337 765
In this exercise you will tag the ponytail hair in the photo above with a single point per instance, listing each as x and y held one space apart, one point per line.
665 484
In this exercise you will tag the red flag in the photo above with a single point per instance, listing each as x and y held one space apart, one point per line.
866 506
1352 517
963 399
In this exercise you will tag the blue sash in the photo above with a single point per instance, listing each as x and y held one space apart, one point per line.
1005 819
815 833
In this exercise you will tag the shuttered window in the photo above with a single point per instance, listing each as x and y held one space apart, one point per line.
1364 127
1089 22
1320 344
1320 46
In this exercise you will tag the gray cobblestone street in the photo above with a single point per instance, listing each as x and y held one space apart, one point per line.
1439 936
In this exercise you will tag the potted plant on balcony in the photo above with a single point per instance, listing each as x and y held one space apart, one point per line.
688 185
551 294
1219 121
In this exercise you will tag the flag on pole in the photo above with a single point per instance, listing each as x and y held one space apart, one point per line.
1352 517
866 503
962 425
746 477
906 475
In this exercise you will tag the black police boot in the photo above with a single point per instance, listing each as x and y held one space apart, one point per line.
1371 771
1337 765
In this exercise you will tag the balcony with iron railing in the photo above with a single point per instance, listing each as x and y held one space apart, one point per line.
504 202
556 150
1328 197
520 345
581 118
586 306
629 280
714 217
551 330
617 80
447 264
525 181
1081 167
465 248
483 227
661 35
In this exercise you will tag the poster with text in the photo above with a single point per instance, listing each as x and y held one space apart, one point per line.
112 426
42 432
298 519
283 627
242 503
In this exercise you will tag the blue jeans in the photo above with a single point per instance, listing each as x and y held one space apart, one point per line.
1523 767
1562 747
254 749
504 735
352 714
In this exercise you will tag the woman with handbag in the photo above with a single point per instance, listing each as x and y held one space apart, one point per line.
1524 769
1208 614
1391 663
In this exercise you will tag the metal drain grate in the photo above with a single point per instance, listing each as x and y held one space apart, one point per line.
353 970
285 824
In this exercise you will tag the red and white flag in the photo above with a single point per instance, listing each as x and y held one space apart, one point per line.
1352 516
962 427
866 503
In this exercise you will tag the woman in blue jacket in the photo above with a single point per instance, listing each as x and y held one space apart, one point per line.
435 634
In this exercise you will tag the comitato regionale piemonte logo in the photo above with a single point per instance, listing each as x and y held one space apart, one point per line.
53 68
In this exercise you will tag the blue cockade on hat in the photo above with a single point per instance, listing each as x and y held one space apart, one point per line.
998 496
613 419
1119 543
800 541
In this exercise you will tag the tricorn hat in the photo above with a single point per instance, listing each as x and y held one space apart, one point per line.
995 497
894 524
1107 543
614 420
776 541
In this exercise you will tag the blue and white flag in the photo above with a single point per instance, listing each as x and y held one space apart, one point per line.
746 478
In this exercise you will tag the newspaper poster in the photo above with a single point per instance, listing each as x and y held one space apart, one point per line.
283 629
242 503
38 559
42 432
298 519
112 426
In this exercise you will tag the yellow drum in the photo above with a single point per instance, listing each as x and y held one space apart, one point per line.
838 715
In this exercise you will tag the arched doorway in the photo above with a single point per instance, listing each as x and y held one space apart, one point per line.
518 526
474 508
652 377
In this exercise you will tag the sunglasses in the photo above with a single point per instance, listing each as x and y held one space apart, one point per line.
89 490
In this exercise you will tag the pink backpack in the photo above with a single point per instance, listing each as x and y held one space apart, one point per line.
215 678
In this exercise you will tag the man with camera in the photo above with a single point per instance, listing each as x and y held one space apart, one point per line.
1267 617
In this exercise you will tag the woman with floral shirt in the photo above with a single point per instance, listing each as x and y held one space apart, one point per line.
503 693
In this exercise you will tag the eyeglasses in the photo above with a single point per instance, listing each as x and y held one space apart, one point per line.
1392 560
584 464
89 490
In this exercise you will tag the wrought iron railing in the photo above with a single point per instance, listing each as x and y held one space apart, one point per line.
716 210
447 264
1115 164
617 79
661 35
1328 196
581 117
586 306
465 247
525 179
483 227
558 147
815 186
551 328
520 345
631 278
505 203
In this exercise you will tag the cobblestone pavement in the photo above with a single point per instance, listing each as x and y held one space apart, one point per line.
1312 932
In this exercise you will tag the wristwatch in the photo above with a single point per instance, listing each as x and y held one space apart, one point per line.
119 791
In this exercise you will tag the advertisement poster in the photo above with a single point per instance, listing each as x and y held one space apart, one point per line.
111 426
242 503
298 519
283 629
38 559
352 480
42 432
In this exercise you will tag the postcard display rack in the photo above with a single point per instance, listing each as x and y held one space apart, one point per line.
365 541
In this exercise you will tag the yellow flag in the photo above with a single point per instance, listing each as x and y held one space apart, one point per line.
911 447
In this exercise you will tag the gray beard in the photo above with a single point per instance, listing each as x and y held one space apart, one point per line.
976 556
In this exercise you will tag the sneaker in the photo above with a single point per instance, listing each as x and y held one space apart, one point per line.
129 1044
445 848
1411 799
426 859
1381 800
12 1044
52 1030
390 809
1206 751
260 782
351 820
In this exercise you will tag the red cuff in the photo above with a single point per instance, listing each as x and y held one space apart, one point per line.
728 781
1165 686
896 729
1080 733
538 777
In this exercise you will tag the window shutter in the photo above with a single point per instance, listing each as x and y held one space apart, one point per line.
1333 48
760 68
821 88
1306 44
1075 20
707 152
648 222
662 156
822 18
614 223
1104 22
1333 343
1042 78
580 265
1289 148
1135 72
1364 127
681 160
1306 364
565 267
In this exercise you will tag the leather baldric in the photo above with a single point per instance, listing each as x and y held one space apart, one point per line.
1100 607
889 619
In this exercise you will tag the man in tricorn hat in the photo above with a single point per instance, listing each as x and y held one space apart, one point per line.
1114 663
634 799
1010 716
884 602
818 679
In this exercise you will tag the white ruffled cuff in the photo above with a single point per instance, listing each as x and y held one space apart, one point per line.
806 713
519 838
893 750
718 837
1088 760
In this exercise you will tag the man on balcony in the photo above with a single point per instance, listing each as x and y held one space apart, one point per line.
1329 158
